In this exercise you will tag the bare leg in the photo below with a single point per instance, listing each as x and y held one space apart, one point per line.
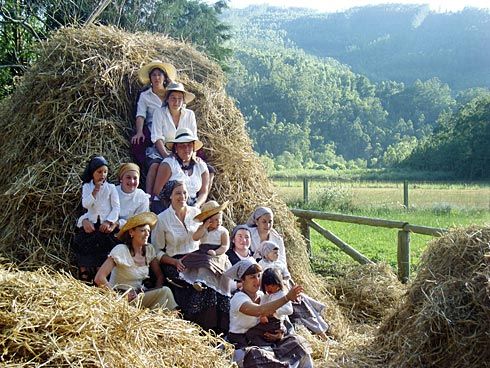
150 177
211 177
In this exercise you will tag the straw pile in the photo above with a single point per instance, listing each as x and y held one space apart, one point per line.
78 100
445 317
52 319
367 293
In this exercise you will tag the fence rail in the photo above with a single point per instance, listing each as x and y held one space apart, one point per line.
403 249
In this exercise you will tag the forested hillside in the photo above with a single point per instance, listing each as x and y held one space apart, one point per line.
309 111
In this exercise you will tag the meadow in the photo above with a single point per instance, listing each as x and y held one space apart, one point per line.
441 205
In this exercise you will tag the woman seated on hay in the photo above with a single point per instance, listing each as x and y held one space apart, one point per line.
158 75
183 165
172 239
129 263
279 349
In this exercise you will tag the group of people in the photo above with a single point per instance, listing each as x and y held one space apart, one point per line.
179 255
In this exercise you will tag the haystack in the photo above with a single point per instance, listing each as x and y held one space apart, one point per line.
50 319
78 100
444 320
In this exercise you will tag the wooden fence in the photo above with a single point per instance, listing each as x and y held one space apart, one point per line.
403 251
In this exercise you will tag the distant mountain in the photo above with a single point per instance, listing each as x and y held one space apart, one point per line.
387 42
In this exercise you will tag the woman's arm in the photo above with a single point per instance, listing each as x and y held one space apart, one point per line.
252 309
177 263
160 146
155 267
139 137
163 174
203 192
103 272
225 241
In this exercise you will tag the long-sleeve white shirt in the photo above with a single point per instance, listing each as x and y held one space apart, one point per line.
105 205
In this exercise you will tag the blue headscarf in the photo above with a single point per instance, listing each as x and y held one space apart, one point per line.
92 166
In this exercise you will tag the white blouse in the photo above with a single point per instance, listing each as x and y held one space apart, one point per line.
192 182
127 274
163 126
105 205
132 204
273 237
147 103
240 322
172 237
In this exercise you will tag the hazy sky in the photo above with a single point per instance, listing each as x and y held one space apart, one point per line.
333 5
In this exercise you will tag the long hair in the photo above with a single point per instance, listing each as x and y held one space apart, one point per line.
127 240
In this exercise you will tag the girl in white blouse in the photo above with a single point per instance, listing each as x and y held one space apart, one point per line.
95 236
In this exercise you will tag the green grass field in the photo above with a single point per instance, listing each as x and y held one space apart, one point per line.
441 205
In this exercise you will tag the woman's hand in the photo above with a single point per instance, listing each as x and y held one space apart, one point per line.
179 265
211 252
274 336
106 227
88 227
294 293
132 294
138 138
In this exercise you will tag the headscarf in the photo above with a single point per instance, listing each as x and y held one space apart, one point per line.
259 212
237 271
168 188
266 247
92 166
124 168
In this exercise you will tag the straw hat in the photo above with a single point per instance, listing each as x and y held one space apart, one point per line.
143 218
184 135
179 87
209 209
145 70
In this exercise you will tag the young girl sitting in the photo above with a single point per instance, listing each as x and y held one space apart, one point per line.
205 266
272 285
95 237
306 310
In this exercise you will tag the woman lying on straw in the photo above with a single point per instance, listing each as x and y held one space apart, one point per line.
279 349
129 264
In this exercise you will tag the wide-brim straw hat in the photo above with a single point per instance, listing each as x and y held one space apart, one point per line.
209 209
179 87
143 218
184 135
145 70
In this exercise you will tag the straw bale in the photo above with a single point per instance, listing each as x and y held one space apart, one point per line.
78 99
367 293
51 319
445 316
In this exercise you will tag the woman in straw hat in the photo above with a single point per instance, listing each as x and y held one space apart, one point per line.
280 350
183 165
129 263
173 240
261 223
239 244
205 267
158 75
166 121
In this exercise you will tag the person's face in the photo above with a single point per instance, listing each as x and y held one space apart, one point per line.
272 289
157 77
242 239
130 181
215 221
273 255
139 235
175 100
251 283
184 150
178 198
264 223
100 175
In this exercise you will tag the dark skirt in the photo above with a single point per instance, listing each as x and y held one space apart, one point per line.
200 258
208 308
255 335
91 250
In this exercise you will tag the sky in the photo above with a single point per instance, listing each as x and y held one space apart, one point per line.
335 5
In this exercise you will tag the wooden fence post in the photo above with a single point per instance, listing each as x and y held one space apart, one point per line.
405 194
403 255
305 231
305 190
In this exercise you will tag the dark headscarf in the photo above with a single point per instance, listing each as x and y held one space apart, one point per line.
167 190
92 166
